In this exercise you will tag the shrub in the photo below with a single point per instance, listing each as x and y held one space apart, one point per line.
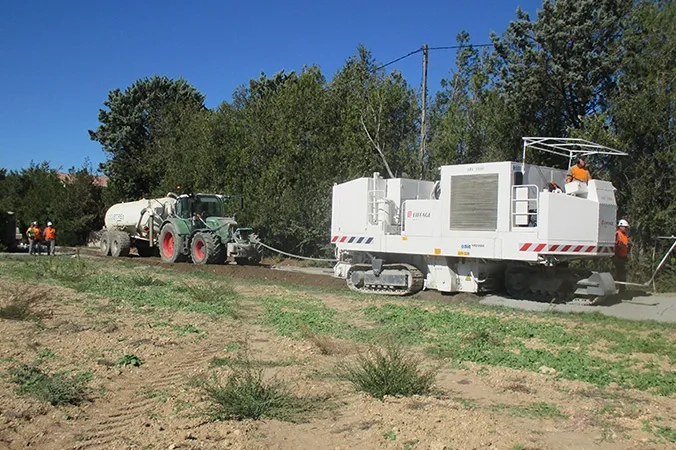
56 389
389 372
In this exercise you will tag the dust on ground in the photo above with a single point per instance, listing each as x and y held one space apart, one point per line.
158 404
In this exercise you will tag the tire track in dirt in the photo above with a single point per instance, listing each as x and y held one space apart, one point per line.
129 410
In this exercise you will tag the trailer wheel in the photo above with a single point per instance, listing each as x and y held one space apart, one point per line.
206 249
170 245
119 244
105 243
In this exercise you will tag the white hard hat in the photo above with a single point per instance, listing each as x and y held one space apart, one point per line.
623 223
49 224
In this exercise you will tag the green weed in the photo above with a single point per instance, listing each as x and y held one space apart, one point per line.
129 360
390 372
56 389
390 436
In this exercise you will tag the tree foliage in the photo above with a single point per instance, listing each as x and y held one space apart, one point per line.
597 69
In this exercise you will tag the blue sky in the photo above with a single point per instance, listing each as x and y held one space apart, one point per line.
60 59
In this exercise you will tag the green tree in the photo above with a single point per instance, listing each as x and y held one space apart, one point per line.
643 111
470 120
560 68
130 126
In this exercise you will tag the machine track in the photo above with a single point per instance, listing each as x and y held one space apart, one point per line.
547 285
416 280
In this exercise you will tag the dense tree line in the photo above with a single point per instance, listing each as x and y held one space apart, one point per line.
599 69
74 203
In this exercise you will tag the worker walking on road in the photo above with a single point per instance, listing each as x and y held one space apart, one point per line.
579 172
621 252
50 239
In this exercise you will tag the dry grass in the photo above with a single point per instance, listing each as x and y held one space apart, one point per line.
21 302
325 344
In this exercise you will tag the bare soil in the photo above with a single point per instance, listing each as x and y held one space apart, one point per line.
158 405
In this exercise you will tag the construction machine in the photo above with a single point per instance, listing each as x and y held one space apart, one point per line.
180 227
484 227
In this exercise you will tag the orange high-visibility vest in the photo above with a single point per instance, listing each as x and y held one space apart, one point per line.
37 233
621 244
580 173
50 233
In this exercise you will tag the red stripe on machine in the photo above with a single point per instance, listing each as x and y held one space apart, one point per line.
552 248
525 247
335 238
578 248
540 247
343 239
590 249
566 248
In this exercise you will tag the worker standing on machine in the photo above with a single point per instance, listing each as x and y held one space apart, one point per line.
578 172
621 252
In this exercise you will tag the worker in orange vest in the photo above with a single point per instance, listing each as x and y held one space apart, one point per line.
50 239
579 172
621 252
34 238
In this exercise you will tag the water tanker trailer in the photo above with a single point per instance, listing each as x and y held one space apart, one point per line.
179 227
485 227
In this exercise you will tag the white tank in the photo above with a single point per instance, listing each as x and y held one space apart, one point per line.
134 217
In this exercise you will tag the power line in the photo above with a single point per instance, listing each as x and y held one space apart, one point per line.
453 47
398 59
449 47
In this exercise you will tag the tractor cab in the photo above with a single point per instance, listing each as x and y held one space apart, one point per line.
201 205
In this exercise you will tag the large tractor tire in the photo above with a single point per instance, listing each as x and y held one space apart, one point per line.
120 243
105 243
171 244
206 248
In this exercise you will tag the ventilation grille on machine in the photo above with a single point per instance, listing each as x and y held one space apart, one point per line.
474 202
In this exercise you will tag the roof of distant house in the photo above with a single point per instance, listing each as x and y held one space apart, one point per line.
98 180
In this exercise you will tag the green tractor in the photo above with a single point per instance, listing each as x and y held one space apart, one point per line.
199 229
181 227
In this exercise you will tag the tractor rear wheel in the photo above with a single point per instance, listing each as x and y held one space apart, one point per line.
105 243
120 243
206 248
171 244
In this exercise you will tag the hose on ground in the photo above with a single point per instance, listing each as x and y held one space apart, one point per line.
307 258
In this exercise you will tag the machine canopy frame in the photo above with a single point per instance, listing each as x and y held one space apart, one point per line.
571 148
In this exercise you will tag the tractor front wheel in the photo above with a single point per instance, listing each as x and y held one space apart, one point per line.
206 248
170 245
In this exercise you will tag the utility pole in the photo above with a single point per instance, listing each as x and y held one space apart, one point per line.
424 105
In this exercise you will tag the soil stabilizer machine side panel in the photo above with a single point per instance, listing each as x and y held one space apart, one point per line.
179 227
488 227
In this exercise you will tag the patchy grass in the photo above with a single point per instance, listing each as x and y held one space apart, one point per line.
287 316
237 362
662 432
56 389
500 341
391 371
540 410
